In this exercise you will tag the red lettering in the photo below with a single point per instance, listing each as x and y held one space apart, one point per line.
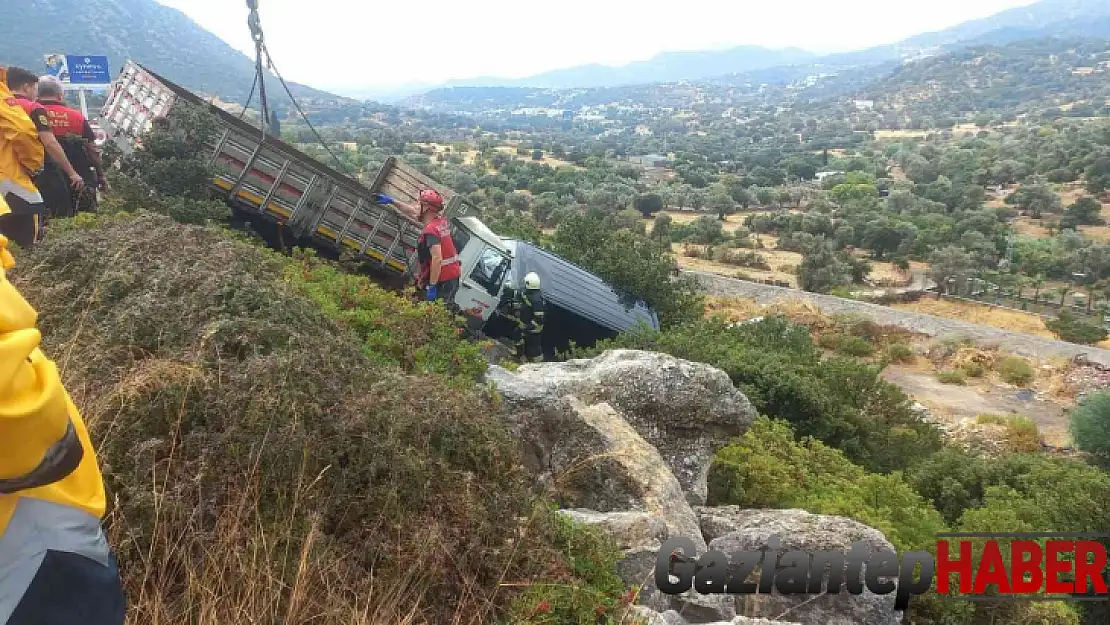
992 570
1019 566
1054 566
946 567
1090 570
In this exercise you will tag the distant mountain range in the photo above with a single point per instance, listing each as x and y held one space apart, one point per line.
178 48
1057 18
157 36
663 67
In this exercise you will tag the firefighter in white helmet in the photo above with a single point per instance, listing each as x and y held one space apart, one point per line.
530 312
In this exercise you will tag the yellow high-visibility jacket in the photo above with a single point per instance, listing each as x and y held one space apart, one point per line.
21 151
36 411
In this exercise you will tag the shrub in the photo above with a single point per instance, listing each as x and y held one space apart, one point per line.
840 401
1090 424
1015 370
973 369
1068 327
260 432
954 376
855 346
1022 435
900 353
766 467
830 340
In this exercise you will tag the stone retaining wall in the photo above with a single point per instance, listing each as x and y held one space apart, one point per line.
1014 342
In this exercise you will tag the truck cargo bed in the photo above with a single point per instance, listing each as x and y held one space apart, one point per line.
266 176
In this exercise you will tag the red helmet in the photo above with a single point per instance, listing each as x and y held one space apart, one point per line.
432 198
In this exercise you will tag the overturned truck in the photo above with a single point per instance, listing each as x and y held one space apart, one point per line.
271 184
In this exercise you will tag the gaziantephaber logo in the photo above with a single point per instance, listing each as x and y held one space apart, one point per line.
986 567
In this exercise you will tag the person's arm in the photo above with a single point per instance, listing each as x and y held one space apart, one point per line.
22 135
93 153
53 148
411 211
437 263
41 444
58 155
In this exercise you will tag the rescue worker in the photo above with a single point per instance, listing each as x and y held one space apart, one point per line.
56 567
440 268
78 141
530 311
58 177
21 156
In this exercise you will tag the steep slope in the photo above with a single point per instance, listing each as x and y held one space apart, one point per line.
158 36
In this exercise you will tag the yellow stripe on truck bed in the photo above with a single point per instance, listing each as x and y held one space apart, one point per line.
252 198
332 234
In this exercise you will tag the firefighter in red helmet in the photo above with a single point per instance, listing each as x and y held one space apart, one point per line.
439 260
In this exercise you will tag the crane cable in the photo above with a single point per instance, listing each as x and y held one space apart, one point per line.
255 24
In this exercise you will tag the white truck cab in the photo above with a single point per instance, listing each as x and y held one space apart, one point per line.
486 261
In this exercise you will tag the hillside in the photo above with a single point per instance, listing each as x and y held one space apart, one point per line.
1048 18
160 37
1019 78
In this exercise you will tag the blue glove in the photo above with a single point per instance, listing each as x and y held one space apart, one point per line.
382 198
431 291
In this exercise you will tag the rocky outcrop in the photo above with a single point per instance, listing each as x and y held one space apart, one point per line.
730 528
624 442
686 410
646 616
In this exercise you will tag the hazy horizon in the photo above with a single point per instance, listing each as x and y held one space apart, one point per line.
336 47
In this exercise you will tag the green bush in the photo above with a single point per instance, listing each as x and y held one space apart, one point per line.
766 467
1015 370
589 556
1022 435
954 376
840 401
1090 424
900 353
830 340
1068 327
855 346
973 369
421 338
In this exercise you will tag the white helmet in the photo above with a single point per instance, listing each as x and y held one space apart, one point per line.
532 281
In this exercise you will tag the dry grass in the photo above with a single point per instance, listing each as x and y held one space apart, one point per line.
261 467
1006 319
546 160
1030 227
777 259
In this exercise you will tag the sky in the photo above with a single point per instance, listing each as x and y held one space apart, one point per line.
345 45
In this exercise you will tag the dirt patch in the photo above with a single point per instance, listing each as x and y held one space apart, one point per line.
1027 226
781 262
953 402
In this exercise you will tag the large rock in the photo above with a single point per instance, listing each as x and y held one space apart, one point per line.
646 616
729 528
598 462
639 535
595 460
686 410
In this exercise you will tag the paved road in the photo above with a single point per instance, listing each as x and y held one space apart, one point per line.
1014 342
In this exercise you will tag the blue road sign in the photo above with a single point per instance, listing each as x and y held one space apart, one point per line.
88 70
